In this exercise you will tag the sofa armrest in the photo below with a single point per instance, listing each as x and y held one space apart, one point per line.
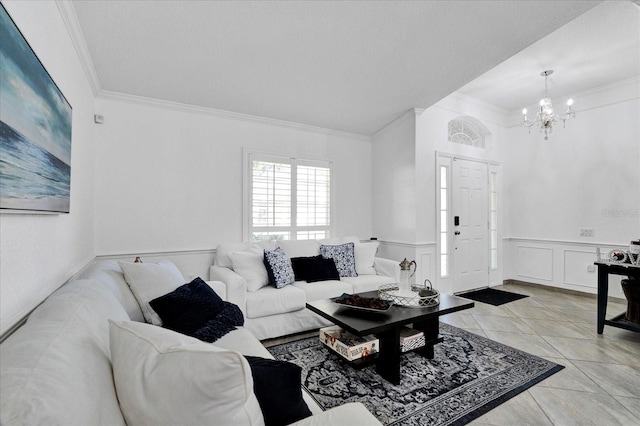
351 414
236 285
219 287
387 267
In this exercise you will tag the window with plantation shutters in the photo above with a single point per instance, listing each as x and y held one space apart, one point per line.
288 198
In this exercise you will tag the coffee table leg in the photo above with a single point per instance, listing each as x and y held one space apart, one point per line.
388 364
431 330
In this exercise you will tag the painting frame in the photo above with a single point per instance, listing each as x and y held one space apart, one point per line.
35 130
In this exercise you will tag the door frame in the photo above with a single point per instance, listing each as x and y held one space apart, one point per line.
447 283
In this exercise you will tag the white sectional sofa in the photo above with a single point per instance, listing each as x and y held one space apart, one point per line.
272 312
86 357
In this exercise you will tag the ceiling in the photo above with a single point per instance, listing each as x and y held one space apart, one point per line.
354 66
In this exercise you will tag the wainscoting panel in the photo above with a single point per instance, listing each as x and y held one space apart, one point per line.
535 262
192 263
576 264
561 264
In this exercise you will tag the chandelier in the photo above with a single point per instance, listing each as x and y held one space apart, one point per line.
546 118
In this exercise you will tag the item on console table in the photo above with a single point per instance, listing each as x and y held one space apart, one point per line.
410 339
634 252
631 289
617 256
347 345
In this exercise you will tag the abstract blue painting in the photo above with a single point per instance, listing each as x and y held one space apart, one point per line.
35 130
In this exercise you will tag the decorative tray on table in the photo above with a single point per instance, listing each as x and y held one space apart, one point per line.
417 297
368 304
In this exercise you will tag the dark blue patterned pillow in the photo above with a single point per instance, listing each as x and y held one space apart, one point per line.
278 268
188 307
344 257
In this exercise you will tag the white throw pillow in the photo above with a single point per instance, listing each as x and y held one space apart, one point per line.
150 280
224 250
365 256
250 265
166 378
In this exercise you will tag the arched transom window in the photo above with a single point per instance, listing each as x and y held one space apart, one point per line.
467 131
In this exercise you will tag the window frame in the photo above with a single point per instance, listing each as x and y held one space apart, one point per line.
293 229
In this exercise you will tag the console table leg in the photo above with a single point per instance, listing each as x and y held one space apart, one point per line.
603 291
388 364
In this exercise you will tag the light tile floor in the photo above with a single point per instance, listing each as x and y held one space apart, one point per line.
600 384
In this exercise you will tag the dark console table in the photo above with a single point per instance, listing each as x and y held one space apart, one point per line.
604 269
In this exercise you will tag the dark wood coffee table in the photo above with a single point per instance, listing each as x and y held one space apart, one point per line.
386 326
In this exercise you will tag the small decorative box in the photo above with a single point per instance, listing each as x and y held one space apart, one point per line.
347 345
411 339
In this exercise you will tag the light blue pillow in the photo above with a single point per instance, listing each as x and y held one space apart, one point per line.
343 256
278 267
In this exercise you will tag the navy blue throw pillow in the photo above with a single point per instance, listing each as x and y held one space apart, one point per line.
300 266
322 269
278 389
314 268
188 307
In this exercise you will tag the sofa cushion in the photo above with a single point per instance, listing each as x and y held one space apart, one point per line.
56 368
250 266
277 385
224 250
351 413
270 301
188 307
166 378
324 289
243 341
110 275
365 254
278 268
367 282
300 248
150 280
344 257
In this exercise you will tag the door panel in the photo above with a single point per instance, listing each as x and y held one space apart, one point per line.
471 237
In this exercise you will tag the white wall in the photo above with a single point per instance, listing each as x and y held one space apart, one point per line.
394 181
38 253
170 178
586 175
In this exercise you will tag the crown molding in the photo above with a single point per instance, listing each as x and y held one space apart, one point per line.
413 112
177 106
74 29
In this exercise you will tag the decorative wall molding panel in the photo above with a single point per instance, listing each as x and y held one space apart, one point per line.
575 265
562 264
535 262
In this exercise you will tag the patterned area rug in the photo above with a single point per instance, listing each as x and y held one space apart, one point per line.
469 376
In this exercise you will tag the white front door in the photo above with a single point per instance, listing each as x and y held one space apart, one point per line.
471 234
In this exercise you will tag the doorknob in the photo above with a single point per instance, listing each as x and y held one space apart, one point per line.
457 232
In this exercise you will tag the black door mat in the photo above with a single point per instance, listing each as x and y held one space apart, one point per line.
492 296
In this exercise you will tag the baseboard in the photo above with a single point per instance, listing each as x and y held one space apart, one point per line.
562 290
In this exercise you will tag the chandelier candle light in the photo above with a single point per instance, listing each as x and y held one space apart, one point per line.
546 118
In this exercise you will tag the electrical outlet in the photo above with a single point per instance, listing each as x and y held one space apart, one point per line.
586 232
